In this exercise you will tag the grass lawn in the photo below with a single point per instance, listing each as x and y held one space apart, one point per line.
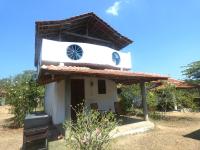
179 131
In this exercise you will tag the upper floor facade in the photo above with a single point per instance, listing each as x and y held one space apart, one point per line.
84 40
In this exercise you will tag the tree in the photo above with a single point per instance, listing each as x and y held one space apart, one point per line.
192 72
24 95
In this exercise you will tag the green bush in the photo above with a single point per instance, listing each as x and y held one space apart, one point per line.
152 101
129 96
90 131
185 99
163 98
166 97
24 95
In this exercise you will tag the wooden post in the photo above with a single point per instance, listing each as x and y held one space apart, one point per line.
175 104
144 103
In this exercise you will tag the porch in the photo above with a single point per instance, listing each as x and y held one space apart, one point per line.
129 125
132 128
57 73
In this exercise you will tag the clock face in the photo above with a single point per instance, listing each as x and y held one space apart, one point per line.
116 58
74 52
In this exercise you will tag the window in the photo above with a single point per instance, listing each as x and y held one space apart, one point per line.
74 52
101 86
116 58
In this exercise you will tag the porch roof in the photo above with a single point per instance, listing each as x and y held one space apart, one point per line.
179 84
51 73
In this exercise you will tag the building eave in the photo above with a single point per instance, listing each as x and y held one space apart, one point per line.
51 73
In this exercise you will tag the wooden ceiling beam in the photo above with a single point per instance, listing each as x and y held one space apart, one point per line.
45 79
87 37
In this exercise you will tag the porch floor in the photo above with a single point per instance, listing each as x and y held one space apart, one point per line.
132 126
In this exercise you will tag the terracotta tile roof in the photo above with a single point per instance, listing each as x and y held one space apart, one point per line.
179 84
118 76
182 84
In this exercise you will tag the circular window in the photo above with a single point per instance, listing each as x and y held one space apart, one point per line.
74 52
116 58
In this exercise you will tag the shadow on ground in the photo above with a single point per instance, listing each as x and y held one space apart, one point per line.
194 135
179 118
9 123
128 120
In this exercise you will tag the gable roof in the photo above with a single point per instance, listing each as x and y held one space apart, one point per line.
89 26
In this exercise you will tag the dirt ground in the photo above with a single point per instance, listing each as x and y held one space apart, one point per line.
10 139
179 131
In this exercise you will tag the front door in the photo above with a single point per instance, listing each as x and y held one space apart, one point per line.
77 95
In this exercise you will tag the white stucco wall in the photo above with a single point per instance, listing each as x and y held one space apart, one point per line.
92 54
58 97
104 101
55 101
67 99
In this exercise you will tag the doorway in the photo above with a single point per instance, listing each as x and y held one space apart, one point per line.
77 95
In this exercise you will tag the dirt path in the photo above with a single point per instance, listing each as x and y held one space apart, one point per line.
181 131
10 139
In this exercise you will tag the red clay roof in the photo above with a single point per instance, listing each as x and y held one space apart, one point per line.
125 77
179 84
182 84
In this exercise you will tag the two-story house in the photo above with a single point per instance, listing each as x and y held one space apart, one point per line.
80 59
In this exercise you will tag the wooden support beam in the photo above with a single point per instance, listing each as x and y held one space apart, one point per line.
87 37
50 78
144 103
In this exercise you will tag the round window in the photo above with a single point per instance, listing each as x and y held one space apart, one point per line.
116 58
74 52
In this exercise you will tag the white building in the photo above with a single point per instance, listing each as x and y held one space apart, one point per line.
80 59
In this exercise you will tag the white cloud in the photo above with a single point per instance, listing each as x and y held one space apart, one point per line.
114 9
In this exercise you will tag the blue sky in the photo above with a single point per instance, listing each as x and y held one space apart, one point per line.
166 33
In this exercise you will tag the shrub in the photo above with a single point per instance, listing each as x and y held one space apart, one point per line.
185 99
151 101
166 97
24 95
90 131
130 97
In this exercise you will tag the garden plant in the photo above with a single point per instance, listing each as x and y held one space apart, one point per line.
91 130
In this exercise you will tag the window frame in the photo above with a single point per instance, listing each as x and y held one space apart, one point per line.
101 86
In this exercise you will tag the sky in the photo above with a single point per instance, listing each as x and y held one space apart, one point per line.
166 33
